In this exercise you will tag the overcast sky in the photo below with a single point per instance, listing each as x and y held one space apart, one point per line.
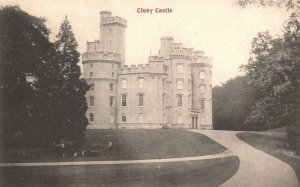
223 30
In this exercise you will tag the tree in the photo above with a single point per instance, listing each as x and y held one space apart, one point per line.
232 102
73 104
24 47
276 73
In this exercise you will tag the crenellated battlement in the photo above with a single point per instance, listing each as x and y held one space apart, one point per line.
155 59
202 64
151 67
114 20
182 53
202 59
93 46
140 68
105 56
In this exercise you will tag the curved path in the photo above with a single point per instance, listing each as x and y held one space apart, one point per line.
226 153
256 167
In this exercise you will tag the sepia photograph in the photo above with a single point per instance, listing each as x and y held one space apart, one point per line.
149 93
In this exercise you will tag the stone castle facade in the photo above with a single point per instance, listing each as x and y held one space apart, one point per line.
173 90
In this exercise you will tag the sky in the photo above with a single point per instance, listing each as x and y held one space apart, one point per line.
219 27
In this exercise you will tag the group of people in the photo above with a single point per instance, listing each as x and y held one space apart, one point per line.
64 149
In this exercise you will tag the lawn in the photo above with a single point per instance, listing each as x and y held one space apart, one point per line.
134 144
274 143
188 173
129 145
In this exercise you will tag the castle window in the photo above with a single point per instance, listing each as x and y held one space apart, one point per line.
179 84
92 100
112 74
91 117
111 118
123 99
141 99
111 87
179 118
124 84
180 68
91 65
202 104
179 97
202 88
163 99
141 82
141 118
123 118
111 100
91 74
91 87
164 118
95 47
202 120
202 75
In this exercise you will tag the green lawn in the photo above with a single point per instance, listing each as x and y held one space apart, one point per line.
135 144
131 144
274 143
191 173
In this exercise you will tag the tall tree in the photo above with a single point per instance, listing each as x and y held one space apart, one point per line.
276 74
73 109
24 47
232 103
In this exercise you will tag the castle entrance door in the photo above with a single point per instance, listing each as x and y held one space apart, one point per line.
194 121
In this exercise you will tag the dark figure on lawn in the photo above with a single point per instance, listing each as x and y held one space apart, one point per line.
61 148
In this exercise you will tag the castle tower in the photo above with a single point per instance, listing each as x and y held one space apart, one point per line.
112 34
181 88
166 46
100 69
201 91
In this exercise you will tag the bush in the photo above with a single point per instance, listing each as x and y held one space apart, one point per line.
293 134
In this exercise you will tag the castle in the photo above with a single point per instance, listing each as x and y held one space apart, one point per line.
173 90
